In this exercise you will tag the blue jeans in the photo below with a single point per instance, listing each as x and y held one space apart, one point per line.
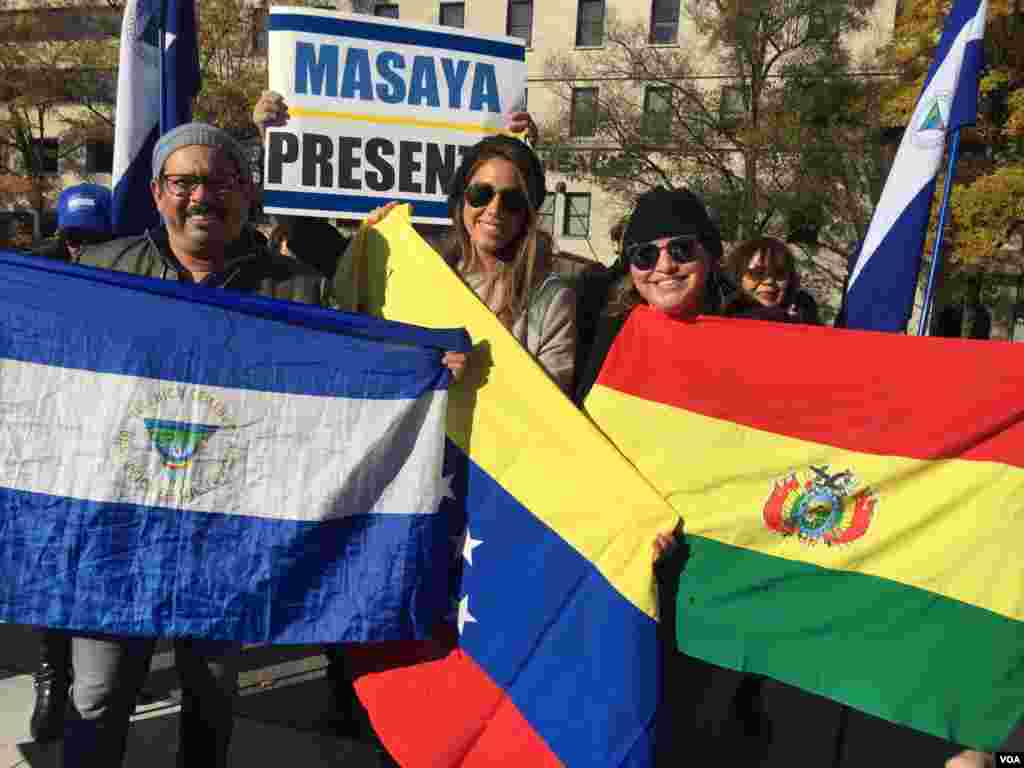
108 673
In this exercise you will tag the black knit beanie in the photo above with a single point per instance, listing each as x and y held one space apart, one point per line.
505 147
664 212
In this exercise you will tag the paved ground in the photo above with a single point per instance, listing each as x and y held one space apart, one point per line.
280 716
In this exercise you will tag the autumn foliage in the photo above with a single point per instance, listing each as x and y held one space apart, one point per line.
988 194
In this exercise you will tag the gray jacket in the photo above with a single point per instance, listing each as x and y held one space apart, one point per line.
250 266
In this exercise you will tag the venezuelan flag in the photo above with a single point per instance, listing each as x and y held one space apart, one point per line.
853 505
556 662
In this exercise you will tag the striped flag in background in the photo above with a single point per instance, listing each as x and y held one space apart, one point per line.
883 281
148 103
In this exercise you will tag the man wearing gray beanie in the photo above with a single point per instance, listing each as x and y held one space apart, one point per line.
202 187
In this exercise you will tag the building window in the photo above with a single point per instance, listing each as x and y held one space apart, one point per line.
453 15
45 159
546 214
520 20
657 119
590 23
583 114
99 156
664 21
577 215
387 10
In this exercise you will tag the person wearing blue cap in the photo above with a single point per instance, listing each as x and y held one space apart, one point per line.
83 218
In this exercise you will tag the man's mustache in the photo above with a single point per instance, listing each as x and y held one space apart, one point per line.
204 209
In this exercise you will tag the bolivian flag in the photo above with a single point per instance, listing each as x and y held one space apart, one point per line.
853 504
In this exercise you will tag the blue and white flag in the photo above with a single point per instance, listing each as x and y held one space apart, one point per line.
148 104
181 461
883 281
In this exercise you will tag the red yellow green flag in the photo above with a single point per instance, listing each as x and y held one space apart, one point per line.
853 503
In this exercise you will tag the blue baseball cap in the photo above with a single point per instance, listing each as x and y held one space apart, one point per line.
84 206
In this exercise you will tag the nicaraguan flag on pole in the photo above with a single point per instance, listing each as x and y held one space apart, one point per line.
220 465
141 98
883 281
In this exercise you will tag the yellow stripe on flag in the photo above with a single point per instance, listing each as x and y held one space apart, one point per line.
930 517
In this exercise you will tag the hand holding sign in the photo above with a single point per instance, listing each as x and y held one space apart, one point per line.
270 111
364 111
522 122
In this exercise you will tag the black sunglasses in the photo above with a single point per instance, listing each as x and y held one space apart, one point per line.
511 199
644 256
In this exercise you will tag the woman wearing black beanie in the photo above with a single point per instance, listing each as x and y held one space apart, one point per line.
669 260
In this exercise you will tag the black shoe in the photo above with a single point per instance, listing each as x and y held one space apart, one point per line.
51 684
52 679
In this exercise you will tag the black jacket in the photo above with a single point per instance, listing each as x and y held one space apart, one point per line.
52 248
250 267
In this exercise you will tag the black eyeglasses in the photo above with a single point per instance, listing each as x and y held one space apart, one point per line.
511 199
183 185
644 256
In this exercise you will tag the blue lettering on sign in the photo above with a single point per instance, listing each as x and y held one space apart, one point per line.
485 89
311 71
387 63
455 76
423 85
357 78
316 73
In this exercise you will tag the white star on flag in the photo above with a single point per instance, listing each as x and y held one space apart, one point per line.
465 617
465 544
453 615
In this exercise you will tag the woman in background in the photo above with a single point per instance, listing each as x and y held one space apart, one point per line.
768 285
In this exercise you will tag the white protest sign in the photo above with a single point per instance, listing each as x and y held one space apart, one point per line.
380 110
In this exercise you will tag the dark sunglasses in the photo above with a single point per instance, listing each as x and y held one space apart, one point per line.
760 274
511 199
644 256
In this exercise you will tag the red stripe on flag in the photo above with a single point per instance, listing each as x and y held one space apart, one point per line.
880 393
433 706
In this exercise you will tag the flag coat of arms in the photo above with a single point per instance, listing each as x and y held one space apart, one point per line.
218 465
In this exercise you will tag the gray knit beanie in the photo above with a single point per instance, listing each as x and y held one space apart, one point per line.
203 135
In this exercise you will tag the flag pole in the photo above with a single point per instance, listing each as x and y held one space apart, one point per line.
163 64
926 310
